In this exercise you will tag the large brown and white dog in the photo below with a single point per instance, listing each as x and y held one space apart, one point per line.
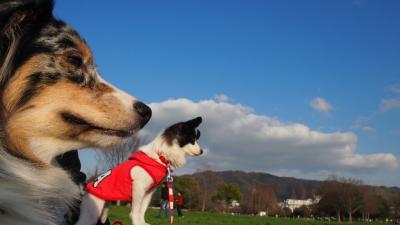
136 179
52 100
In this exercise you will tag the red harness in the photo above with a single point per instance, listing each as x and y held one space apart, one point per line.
116 184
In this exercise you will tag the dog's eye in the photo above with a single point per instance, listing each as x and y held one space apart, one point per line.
75 60
78 79
198 135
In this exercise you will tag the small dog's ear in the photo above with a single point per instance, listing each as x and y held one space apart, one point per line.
198 133
194 122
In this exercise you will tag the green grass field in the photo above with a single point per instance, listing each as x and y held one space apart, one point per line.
200 218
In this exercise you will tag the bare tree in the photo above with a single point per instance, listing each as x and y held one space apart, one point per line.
396 205
351 196
204 178
261 198
303 193
341 195
330 203
293 195
112 157
370 205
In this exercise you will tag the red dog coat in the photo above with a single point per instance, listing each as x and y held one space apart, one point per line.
116 184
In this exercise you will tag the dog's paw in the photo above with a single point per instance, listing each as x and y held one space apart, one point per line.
143 223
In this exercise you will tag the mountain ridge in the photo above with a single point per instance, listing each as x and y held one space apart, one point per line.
284 187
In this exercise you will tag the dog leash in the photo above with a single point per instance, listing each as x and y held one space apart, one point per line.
170 184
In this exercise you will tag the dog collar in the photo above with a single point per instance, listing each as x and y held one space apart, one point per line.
166 163
164 160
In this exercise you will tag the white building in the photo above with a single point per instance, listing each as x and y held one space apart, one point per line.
262 213
235 204
293 204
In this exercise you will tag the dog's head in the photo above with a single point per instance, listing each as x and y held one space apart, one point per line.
183 137
52 97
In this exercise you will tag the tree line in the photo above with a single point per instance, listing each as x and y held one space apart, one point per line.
340 198
347 198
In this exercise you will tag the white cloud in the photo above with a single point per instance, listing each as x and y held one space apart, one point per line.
380 160
360 122
394 88
389 104
222 98
321 105
238 139
367 129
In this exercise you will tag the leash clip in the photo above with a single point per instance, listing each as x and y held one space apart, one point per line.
169 175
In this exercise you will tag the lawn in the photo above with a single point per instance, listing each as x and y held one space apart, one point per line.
200 218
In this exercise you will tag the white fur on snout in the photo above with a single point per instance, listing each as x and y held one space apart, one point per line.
192 149
125 99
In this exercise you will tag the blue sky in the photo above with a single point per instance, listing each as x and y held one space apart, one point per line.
272 56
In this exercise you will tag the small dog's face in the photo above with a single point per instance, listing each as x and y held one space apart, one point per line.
56 101
184 135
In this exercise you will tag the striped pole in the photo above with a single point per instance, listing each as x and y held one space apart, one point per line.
170 184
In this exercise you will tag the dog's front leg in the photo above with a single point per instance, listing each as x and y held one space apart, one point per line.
141 183
91 209
104 214
137 199
145 204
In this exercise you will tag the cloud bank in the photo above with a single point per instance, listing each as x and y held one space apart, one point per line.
236 138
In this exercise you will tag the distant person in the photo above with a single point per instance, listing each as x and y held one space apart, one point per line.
164 199
180 204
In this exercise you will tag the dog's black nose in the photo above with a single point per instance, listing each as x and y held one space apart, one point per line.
144 111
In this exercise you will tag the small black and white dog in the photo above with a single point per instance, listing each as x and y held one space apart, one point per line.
136 178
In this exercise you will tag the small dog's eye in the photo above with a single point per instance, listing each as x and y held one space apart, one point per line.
198 135
75 60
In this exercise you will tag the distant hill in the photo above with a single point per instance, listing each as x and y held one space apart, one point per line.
284 187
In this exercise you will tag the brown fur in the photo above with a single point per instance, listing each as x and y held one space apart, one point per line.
87 54
94 103
52 100
18 82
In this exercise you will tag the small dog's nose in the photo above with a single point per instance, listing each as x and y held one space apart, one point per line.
201 152
144 111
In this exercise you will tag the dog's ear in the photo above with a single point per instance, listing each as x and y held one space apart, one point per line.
16 15
198 134
17 19
193 123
